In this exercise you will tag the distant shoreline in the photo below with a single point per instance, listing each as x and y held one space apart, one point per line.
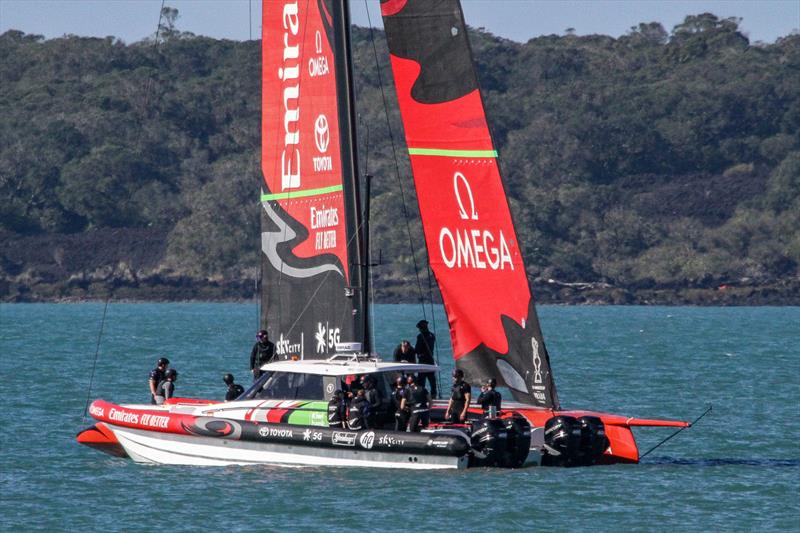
784 293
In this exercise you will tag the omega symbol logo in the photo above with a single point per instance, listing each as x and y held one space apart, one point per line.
321 134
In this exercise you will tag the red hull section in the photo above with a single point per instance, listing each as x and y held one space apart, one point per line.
101 438
622 444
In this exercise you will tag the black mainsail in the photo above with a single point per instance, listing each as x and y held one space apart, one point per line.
312 254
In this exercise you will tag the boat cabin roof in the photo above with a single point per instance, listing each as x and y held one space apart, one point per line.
345 366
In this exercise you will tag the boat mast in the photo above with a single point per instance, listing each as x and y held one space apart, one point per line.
347 125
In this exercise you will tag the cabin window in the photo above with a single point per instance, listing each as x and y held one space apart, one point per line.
291 386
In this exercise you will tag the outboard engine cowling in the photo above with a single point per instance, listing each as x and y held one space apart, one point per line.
518 443
593 440
489 442
562 440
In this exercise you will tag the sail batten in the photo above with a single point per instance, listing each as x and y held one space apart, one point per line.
472 244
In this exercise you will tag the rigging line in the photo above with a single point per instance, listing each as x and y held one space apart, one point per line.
96 354
696 420
250 17
396 163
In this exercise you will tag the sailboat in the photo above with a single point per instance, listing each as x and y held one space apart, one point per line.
315 272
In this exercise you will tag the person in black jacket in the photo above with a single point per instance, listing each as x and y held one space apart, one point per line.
166 389
404 353
234 389
373 396
358 414
426 342
399 409
490 399
460 395
337 410
156 377
417 401
263 352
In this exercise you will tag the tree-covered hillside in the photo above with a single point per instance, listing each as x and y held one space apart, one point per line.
653 161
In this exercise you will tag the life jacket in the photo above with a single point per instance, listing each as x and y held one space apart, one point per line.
359 410
336 410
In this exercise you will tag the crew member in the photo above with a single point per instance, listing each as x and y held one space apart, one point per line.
156 377
460 396
426 342
337 410
373 396
489 398
166 389
358 414
404 353
399 408
263 352
234 389
418 402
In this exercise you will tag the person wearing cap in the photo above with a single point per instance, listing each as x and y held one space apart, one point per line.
417 401
426 341
234 389
460 395
489 398
156 377
263 352
399 408
404 353
166 389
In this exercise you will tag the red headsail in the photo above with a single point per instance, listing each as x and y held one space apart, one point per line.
472 245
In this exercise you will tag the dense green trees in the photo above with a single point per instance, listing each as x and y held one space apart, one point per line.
652 159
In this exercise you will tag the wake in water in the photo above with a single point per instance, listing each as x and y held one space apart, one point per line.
666 460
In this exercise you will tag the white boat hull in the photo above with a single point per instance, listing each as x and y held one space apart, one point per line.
168 448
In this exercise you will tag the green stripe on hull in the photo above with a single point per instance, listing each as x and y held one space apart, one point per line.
453 153
301 194
312 414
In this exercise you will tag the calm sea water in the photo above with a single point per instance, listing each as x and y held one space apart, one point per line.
738 469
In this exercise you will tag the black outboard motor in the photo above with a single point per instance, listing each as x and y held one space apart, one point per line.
562 439
593 440
489 441
518 443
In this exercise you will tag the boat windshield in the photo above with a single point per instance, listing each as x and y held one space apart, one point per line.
286 386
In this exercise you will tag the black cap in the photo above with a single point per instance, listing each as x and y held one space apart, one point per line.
422 324
262 334
411 379
227 378
163 361
171 373
458 373
491 382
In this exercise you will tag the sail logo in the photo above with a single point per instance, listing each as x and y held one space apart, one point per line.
284 346
322 218
322 138
472 247
289 74
327 337
318 66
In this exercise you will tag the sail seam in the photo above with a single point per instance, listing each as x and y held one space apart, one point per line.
301 194
453 153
